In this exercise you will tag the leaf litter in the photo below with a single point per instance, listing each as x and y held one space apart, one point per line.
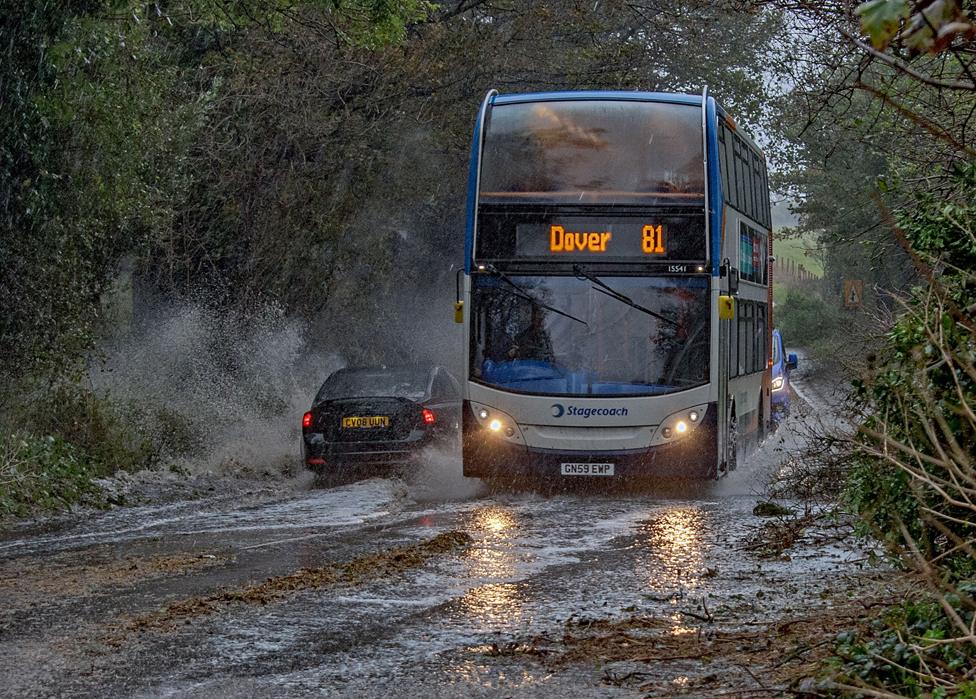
385 563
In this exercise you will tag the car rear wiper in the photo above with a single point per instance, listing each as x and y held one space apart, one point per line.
522 293
604 288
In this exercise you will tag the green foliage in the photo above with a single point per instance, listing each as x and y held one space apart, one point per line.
883 497
882 19
103 106
375 23
837 183
929 26
85 437
39 310
941 228
806 319
94 171
905 651
915 467
110 436
919 438
42 473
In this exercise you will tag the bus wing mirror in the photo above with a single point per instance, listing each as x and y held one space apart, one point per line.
733 281
727 270
458 302
726 307
791 361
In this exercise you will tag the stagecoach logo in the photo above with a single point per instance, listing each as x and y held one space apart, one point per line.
558 410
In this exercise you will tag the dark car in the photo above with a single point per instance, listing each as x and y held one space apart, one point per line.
380 416
782 365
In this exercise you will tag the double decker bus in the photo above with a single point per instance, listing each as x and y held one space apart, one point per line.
615 292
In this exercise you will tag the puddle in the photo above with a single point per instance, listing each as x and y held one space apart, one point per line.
338 507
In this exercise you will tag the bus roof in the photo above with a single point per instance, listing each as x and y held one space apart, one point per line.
621 95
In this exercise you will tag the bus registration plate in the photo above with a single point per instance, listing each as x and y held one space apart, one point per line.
586 469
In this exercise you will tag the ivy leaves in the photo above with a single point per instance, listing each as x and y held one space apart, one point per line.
881 19
930 27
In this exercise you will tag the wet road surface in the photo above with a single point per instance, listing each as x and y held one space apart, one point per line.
339 592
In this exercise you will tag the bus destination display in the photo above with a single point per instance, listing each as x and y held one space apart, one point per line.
562 240
667 238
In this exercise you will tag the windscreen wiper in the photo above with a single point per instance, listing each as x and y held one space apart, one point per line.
604 288
522 293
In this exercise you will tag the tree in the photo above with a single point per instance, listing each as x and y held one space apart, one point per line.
335 175
103 105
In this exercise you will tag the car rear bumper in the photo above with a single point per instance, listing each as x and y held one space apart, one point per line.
320 454
486 456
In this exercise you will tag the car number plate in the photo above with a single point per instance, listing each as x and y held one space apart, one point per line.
586 469
366 421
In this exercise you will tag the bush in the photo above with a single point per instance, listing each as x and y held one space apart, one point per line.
70 436
42 473
805 319
916 471
905 650
916 465
107 433
914 478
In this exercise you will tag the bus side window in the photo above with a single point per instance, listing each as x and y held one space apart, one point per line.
764 242
744 339
741 174
743 334
757 208
759 338
723 159
734 342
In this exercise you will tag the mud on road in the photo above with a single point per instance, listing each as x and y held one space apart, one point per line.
435 588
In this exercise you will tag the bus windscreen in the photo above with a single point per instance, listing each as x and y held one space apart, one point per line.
572 335
599 151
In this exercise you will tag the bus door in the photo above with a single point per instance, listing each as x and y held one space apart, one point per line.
727 363
723 360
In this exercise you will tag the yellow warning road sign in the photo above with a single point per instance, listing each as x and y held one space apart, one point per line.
853 293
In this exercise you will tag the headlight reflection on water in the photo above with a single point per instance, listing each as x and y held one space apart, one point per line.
674 557
493 519
675 548
493 560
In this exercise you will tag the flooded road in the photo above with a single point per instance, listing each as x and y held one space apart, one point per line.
435 588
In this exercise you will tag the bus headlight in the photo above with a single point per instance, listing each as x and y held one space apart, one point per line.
778 383
497 423
678 425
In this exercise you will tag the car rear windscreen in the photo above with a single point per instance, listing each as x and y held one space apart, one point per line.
373 383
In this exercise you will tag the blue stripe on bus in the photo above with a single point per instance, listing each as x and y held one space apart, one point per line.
693 100
472 193
715 197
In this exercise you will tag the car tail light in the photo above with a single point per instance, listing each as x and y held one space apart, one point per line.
307 420
315 461
429 418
